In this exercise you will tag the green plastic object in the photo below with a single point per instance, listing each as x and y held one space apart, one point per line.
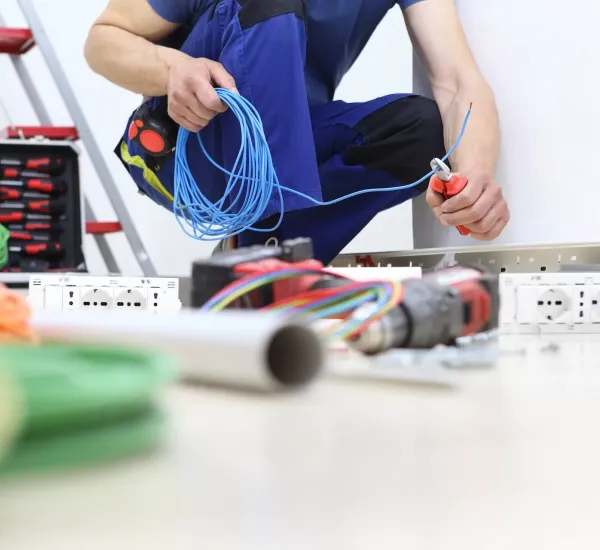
4 234
65 387
86 447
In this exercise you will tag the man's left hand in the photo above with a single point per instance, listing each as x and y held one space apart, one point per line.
480 207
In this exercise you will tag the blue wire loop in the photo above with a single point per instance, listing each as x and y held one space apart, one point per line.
251 182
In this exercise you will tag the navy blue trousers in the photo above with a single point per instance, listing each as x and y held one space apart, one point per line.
325 151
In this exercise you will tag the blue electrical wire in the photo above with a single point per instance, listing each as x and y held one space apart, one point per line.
251 183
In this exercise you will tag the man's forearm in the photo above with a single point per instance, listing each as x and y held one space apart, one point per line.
129 61
479 148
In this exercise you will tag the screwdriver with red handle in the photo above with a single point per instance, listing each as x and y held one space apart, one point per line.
20 217
47 165
52 186
14 194
26 236
35 227
39 250
43 206
448 185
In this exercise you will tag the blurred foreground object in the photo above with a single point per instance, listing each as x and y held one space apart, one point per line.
15 317
243 350
10 412
83 405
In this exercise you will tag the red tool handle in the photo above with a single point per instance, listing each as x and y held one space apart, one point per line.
40 226
450 189
48 165
45 185
41 250
15 194
18 217
50 186
24 236
43 206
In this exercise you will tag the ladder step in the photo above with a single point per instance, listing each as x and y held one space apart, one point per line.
101 228
60 133
15 41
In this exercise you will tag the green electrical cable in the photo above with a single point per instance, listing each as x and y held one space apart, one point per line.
10 412
66 387
86 447
83 404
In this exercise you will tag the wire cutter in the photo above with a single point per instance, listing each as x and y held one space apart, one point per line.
448 184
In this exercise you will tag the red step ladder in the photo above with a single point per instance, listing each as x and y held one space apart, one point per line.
16 42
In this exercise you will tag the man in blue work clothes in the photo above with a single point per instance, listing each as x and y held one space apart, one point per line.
287 57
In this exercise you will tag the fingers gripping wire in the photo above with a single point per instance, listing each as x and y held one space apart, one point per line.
251 183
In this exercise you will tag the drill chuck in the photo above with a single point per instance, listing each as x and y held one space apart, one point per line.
435 310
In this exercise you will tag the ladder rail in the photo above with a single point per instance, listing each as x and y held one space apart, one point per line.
39 108
110 187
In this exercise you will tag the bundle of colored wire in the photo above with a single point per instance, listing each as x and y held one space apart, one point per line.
15 316
251 183
318 304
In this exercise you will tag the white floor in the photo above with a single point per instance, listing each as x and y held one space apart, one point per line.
510 458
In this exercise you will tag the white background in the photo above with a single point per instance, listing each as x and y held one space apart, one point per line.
107 108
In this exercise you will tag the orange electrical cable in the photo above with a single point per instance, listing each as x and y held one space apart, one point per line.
15 317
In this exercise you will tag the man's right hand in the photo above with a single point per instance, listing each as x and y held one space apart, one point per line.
193 101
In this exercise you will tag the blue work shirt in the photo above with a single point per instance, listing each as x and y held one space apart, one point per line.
338 30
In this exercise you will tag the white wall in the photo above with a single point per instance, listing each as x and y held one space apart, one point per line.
385 67
541 58
107 108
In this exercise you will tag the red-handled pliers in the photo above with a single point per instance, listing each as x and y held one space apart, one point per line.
448 185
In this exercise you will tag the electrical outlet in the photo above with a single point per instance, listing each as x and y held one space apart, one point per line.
72 292
131 298
554 305
595 307
95 298
550 302
71 298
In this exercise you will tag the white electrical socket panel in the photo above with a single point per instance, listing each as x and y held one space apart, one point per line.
81 292
550 303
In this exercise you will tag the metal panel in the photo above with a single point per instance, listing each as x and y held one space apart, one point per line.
512 259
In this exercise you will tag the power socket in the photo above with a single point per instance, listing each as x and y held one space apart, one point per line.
96 297
554 305
73 292
131 298
550 302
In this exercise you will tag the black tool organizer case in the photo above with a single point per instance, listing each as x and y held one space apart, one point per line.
71 221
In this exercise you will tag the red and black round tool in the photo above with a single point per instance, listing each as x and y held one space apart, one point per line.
43 206
50 186
41 250
153 129
47 165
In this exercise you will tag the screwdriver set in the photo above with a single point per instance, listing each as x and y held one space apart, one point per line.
40 205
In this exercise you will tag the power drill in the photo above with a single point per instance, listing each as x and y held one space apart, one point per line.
435 310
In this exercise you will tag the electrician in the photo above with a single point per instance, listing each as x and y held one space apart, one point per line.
288 57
